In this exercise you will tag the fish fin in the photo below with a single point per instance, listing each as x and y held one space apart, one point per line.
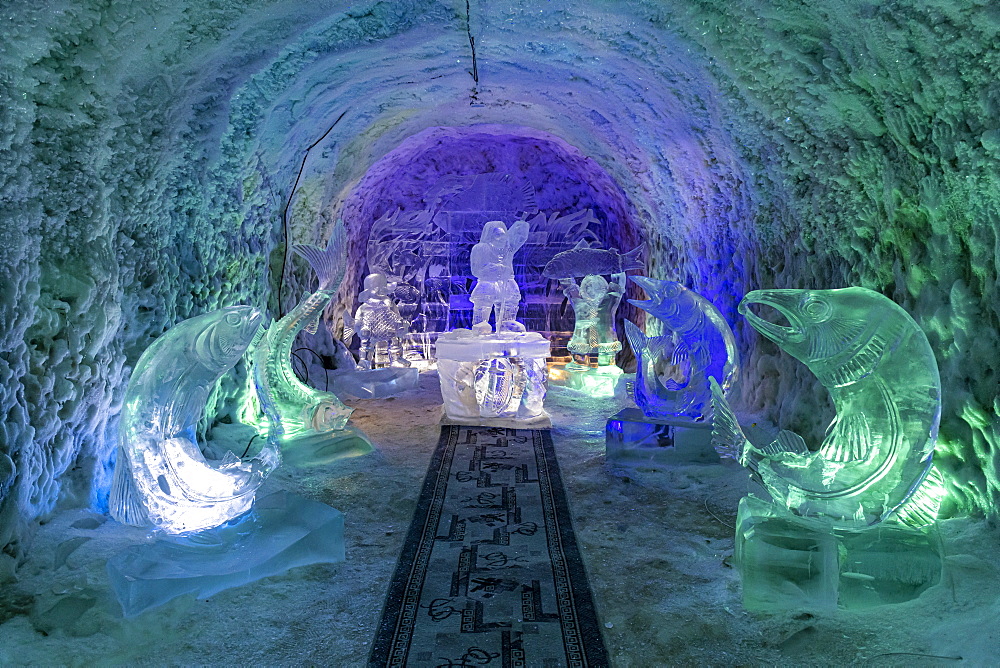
125 504
922 508
329 263
728 438
787 441
681 354
582 243
258 336
348 327
636 338
633 258
848 439
313 325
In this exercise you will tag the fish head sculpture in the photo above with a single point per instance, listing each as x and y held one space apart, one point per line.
226 338
669 301
822 325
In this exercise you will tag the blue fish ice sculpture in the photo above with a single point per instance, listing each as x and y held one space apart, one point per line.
672 372
161 478
880 371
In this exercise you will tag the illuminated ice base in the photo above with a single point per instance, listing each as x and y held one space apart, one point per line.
319 449
602 382
791 562
281 532
631 437
494 377
374 383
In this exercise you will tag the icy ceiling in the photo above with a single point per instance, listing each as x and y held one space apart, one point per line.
148 152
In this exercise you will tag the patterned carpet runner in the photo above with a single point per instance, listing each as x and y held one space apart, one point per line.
490 573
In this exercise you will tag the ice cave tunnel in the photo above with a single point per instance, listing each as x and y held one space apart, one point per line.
159 159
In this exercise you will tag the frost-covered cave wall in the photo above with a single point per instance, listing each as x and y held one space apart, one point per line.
148 151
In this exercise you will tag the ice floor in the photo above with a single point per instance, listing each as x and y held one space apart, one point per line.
658 545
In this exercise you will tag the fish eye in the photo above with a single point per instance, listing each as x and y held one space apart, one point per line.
233 319
816 308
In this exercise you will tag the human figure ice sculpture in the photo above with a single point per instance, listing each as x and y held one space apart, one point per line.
496 291
594 303
673 370
161 477
377 320
300 408
882 376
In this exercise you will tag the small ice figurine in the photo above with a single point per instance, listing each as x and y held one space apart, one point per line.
594 303
674 369
496 291
377 320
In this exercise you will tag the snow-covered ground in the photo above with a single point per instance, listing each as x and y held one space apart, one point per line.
658 543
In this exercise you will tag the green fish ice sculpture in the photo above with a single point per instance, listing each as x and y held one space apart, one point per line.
300 408
161 478
883 379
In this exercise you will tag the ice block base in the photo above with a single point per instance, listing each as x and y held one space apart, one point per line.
601 382
630 436
374 383
281 532
792 562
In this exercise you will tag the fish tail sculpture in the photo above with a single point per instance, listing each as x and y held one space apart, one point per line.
882 376
676 384
161 478
299 407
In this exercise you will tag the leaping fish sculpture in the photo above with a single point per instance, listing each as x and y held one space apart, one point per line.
883 379
673 370
300 408
161 478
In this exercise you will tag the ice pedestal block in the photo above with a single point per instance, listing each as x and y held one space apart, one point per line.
499 376
322 449
374 383
630 436
601 382
792 562
283 531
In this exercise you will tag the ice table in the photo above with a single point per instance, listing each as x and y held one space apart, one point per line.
493 379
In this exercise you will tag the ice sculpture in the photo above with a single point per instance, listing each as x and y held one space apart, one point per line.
672 375
161 478
594 303
488 377
582 260
300 408
496 290
882 376
376 321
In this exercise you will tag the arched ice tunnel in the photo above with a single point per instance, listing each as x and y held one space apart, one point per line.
157 157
